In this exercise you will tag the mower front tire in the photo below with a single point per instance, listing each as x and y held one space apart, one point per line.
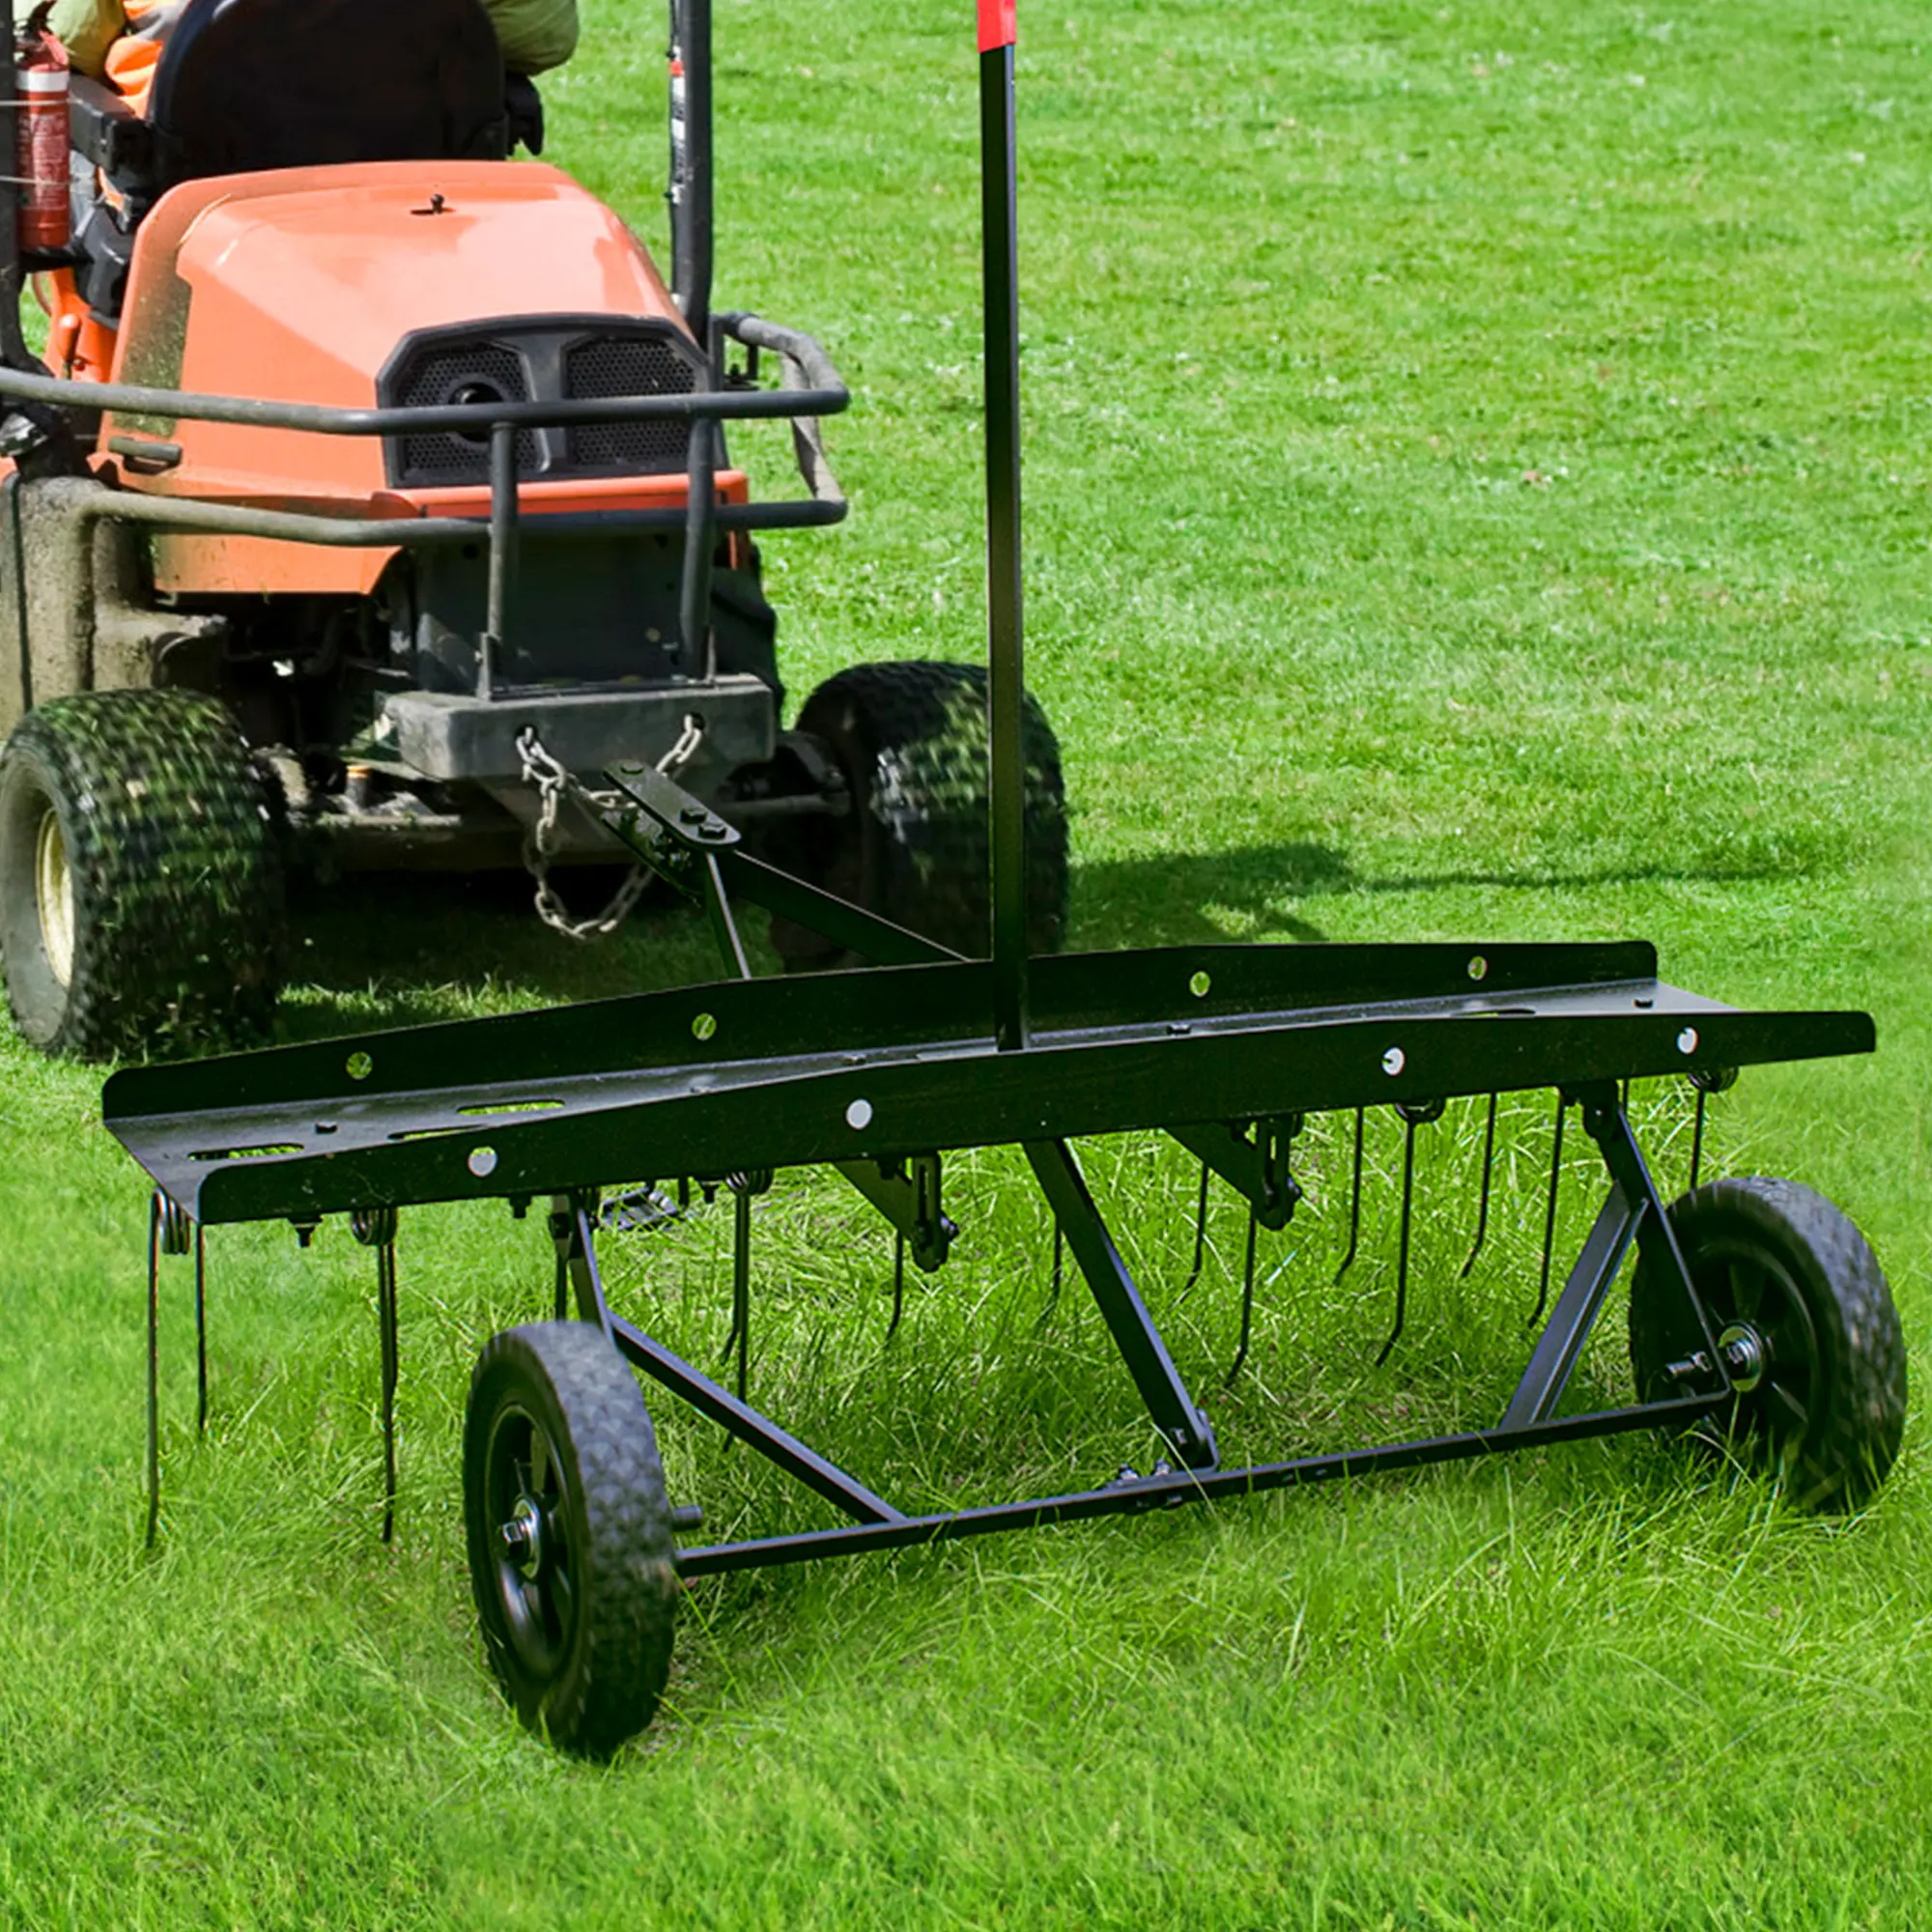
141 900
910 741
1791 1286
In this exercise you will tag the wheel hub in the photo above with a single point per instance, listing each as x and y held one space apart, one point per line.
53 894
522 1538
1745 1356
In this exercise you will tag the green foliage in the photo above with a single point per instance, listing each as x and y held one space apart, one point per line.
1476 488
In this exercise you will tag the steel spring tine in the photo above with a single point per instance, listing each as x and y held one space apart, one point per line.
1698 1136
155 1217
201 1330
741 1284
1199 1233
385 1301
1355 1201
1058 1266
898 1285
1408 1126
1247 1305
1483 1204
1549 1218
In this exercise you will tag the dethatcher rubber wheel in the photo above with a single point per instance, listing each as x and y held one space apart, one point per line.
911 739
571 1556
1804 1316
140 879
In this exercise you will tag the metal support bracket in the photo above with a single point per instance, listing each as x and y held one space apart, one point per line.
573 1229
1606 1122
1633 1209
907 1194
1253 1159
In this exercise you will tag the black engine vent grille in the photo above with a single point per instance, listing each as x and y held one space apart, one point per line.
635 365
473 372
542 359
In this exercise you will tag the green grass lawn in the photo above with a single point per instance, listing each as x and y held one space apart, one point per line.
1477 487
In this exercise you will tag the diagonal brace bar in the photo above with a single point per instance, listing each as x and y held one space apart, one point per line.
758 1432
1606 1122
1184 1426
907 1194
1575 1313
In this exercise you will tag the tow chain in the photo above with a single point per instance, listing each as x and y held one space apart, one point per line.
554 784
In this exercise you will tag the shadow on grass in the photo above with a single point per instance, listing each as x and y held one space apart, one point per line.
390 951
1193 898
399 950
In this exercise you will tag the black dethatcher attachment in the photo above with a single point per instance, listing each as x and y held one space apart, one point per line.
881 1071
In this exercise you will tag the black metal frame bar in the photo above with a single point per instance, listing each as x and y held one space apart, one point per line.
699 519
1135 1495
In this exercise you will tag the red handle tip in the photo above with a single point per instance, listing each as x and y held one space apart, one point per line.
997 27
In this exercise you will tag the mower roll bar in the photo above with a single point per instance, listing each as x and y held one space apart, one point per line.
813 389
828 396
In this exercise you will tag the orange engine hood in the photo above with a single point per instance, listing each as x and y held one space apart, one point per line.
298 286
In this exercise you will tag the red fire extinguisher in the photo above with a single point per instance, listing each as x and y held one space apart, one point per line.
41 141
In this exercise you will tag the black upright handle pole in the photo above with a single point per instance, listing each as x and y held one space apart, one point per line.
691 192
1006 678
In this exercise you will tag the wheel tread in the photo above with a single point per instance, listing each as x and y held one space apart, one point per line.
1857 1412
629 1586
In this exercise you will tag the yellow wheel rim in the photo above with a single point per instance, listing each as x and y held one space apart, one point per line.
53 889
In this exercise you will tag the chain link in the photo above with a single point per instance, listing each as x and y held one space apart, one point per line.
554 784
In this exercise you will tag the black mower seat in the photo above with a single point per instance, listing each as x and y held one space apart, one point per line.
251 85
245 85
254 84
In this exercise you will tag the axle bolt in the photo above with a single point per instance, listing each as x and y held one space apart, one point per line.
522 1538
1744 1356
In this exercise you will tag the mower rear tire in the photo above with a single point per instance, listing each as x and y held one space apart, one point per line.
141 893
911 741
1788 1280
571 1556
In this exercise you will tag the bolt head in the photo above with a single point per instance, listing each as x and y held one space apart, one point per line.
522 1539
1742 1352
1394 1060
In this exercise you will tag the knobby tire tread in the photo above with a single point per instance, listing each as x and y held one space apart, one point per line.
1858 1415
176 870
609 1686
913 738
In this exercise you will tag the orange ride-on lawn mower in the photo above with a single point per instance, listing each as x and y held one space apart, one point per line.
377 499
